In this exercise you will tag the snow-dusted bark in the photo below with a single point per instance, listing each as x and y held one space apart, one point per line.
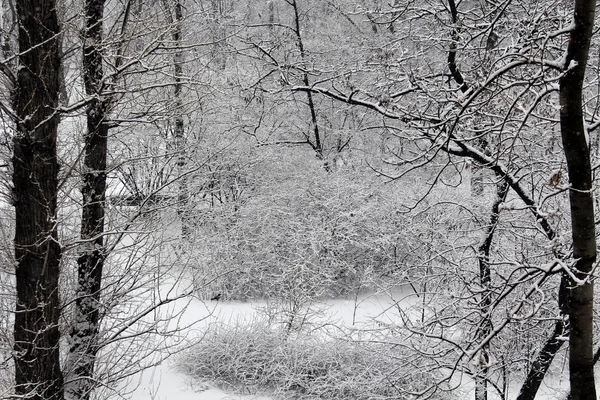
317 145
577 152
8 27
485 301
540 366
179 130
174 13
84 334
35 178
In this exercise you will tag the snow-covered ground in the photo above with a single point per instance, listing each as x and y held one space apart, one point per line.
165 382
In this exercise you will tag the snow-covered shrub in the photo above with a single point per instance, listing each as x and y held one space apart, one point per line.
322 235
256 357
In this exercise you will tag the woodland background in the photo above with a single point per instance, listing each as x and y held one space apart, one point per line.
288 152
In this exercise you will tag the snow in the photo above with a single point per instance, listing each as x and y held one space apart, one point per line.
165 382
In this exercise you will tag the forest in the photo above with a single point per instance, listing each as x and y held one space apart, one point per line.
394 198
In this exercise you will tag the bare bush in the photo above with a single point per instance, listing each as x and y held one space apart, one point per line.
253 356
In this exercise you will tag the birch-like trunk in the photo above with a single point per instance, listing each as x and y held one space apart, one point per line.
179 131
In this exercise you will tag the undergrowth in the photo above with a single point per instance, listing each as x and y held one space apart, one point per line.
257 357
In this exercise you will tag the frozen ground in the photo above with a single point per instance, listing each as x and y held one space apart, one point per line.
165 382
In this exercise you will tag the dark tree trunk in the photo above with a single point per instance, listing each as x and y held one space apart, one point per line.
454 71
540 366
485 280
37 369
84 335
317 145
577 151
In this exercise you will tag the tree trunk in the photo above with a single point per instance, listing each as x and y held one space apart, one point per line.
540 366
179 132
577 152
84 335
485 278
317 145
8 27
219 34
35 178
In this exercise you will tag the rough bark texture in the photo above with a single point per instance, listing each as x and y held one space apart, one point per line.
84 335
9 25
37 370
576 146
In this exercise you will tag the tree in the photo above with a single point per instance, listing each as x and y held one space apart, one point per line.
576 145
108 69
86 325
485 301
317 144
111 71
483 89
175 17
35 178
283 35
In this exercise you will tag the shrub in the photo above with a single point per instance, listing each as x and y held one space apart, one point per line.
256 357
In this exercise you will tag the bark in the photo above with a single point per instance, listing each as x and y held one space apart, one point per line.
540 366
219 34
317 145
485 279
8 27
577 152
179 133
63 97
84 335
454 71
35 178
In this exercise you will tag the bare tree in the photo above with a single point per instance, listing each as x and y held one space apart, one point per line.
174 13
511 90
485 301
86 325
284 40
576 145
317 145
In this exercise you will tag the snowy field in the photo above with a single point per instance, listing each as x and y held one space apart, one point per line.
165 382
367 311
